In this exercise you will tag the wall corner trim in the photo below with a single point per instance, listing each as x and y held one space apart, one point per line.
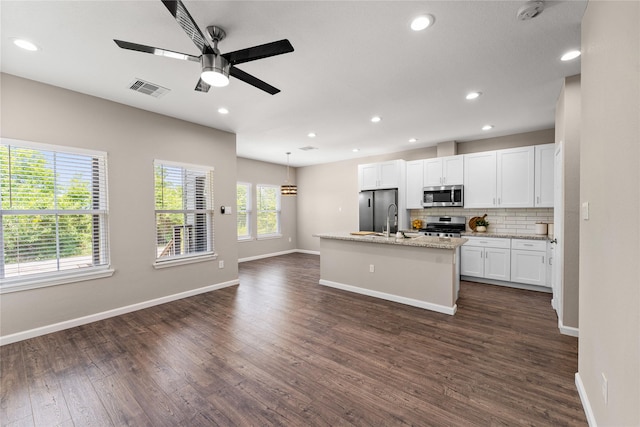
591 419
67 324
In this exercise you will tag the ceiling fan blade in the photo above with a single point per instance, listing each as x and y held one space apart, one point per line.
182 15
259 52
253 81
202 86
156 51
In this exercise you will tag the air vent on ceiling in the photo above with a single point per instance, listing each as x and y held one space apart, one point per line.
308 148
148 88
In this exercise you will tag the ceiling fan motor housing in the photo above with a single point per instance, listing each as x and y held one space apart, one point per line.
215 69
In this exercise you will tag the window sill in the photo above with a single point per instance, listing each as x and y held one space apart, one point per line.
245 239
270 236
184 261
55 280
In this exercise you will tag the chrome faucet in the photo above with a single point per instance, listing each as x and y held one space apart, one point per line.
395 218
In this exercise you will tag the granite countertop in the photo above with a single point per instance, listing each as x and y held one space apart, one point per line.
507 235
421 242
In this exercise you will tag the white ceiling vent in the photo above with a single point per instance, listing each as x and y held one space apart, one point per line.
530 10
147 88
308 148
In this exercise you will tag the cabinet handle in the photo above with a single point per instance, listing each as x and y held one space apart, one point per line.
494 200
538 200
498 201
542 259
444 179
528 244
550 261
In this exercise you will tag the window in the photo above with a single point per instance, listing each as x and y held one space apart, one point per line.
243 194
184 211
268 210
53 209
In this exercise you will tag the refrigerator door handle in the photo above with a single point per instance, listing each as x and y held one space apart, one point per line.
369 202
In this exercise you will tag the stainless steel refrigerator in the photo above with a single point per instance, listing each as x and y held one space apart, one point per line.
374 205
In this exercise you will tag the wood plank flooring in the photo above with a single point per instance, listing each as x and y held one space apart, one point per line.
279 349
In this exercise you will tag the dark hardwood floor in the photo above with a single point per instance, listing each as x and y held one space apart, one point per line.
282 350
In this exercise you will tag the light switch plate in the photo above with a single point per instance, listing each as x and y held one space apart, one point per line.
585 210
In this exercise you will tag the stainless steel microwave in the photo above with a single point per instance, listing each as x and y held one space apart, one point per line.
443 196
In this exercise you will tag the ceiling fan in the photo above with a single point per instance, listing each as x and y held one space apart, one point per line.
216 67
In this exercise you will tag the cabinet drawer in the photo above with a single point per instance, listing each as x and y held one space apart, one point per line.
529 245
489 242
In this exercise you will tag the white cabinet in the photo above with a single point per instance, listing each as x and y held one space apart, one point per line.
415 184
480 180
544 164
444 171
529 262
515 177
551 250
376 176
499 179
486 257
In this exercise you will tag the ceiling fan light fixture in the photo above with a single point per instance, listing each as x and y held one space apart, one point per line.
215 70
422 22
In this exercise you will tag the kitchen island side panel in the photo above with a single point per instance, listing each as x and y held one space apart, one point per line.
418 273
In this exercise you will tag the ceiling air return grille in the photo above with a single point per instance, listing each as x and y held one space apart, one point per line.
148 88
308 148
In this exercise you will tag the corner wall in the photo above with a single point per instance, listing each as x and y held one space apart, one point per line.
132 138
609 342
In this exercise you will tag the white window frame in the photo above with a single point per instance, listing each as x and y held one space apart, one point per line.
101 212
277 234
248 212
198 256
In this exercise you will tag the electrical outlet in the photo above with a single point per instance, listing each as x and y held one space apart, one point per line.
585 211
372 269
605 388
289 239
220 264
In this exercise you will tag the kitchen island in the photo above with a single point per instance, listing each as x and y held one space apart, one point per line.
421 271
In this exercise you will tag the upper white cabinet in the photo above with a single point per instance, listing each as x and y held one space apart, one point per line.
375 176
515 177
545 156
499 179
415 184
480 180
444 171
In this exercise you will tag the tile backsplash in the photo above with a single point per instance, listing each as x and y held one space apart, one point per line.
516 221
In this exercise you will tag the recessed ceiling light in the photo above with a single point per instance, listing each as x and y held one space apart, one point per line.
487 127
422 22
25 44
311 134
572 54
376 119
355 150
412 140
473 95
223 110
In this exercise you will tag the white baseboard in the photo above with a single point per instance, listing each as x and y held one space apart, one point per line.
591 419
302 251
43 330
568 330
253 258
389 297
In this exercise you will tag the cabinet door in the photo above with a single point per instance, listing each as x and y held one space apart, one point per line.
415 184
515 177
550 252
480 180
389 173
432 172
453 170
528 267
497 264
472 261
545 156
368 176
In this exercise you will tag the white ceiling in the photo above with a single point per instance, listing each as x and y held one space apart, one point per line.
352 60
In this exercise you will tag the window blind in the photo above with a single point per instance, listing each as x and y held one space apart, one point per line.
184 210
53 208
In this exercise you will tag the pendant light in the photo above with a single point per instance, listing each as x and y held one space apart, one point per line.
288 189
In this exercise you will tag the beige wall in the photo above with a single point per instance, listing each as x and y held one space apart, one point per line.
568 112
133 139
610 239
328 194
256 172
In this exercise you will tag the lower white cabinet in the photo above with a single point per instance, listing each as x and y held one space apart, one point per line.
486 257
529 262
